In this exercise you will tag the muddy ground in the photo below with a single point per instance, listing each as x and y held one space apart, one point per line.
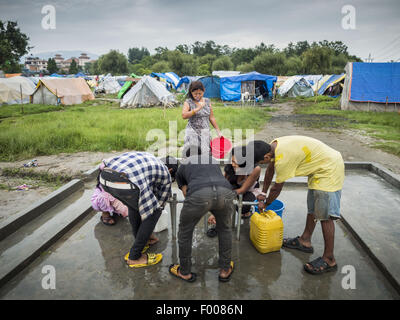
351 143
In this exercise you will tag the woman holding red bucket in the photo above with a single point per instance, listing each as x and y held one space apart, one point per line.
199 113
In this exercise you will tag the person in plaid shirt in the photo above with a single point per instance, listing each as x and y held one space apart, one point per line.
143 183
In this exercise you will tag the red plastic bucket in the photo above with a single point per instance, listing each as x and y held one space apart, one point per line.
220 147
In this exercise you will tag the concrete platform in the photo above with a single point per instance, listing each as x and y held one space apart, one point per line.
89 259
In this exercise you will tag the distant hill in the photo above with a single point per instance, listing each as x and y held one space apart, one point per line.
66 54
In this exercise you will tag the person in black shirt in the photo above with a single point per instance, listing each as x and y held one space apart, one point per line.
205 189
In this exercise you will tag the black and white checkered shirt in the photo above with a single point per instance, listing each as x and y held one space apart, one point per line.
147 172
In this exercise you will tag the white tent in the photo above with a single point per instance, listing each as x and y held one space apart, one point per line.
225 73
296 86
108 84
147 92
12 88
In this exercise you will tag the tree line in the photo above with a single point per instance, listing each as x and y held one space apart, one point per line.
201 58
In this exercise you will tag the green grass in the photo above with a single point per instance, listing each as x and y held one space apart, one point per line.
17 110
384 126
104 127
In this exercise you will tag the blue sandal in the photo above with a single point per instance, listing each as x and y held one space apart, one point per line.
316 266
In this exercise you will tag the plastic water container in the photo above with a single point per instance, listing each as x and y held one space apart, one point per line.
220 147
277 206
266 231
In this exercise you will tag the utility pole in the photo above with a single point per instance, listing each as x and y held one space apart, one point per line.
369 59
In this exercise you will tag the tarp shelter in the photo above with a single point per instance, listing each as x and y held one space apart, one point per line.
108 84
371 86
168 77
317 85
225 73
212 86
61 91
10 75
312 78
130 81
231 87
11 89
296 86
148 92
333 86
184 82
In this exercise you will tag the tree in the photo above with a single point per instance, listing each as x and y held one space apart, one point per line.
184 48
294 65
73 68
318 60
13 45
182 64
270 63
113 62
245 67
135 55
240 56
222 63
204 70
161 67
52 66
208 60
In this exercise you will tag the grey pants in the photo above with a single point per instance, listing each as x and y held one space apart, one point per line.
219 201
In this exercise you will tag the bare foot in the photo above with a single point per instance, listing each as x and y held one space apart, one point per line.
225 273
142 259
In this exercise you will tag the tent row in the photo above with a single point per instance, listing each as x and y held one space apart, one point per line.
49 90
310 85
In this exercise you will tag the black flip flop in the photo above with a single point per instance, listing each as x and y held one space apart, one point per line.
212 232
317 264
228 277
174 272
294 243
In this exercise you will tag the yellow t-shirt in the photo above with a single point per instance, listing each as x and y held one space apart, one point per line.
304 156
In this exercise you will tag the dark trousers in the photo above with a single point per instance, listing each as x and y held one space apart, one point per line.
219 201
142 230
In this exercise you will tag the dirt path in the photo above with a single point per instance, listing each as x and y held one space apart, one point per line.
352 145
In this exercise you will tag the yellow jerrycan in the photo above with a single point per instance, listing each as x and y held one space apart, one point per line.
266 231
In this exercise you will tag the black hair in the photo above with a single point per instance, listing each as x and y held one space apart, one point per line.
240 155
258 148
171 163
195 85
192 150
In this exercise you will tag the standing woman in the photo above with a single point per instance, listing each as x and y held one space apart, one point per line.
199 113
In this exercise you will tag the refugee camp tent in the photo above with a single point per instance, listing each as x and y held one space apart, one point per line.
371 86
129 83
108 84
168 77
233 87
11 89
296 86
333 86
312 78
148 92
225 73
317 85
212 86
183 84
61 91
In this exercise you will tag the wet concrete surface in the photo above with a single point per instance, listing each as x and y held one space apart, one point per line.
89 262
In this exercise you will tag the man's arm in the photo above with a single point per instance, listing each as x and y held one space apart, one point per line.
269 174
251 179
184 189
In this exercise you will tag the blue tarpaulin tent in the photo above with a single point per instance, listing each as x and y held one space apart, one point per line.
184 82
331 81
169 77
375 82
212 86
231 86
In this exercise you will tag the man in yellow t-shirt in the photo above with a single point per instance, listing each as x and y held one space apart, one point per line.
293 156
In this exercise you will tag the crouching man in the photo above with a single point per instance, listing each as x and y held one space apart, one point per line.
143 183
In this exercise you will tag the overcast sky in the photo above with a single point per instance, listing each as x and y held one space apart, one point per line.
101 25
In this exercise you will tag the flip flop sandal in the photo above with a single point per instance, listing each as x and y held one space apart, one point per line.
152 259
294 243
173 269
228 277
212 232
146 247
316 266
104 220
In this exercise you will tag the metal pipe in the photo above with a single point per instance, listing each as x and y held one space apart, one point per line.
239 216
173 203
